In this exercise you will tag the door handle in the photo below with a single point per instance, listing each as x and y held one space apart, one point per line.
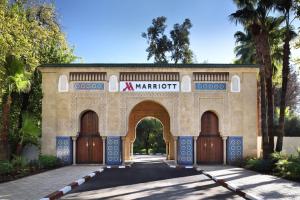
205 145
211 145
93 144
87 144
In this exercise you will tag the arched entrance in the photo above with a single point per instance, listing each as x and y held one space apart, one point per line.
209 142
148 109
89 143
149 137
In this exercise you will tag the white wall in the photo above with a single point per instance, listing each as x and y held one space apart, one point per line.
290 145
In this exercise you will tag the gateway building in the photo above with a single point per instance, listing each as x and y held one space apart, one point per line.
209 112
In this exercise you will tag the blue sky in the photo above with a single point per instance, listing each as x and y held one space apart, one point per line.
109 31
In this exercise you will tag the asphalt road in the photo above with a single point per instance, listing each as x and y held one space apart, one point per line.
150 180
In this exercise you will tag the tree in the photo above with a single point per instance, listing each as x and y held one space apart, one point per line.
180 50
17 80
160 46
285 7
29 133
252 14
30 31
245 48
149 135
159 43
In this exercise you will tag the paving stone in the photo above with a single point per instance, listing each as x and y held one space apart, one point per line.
258 185
40 185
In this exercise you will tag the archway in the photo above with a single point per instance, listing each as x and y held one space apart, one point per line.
209 142
148 109
89 143
149 137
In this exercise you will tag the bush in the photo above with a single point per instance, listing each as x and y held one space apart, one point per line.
289 167
260 165
48 161
5 167
19 164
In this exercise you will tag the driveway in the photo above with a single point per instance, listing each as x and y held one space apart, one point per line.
150 179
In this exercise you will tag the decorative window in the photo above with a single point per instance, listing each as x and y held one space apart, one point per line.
87 76
186 83
235 83
149 76
113 83
63 85
210 76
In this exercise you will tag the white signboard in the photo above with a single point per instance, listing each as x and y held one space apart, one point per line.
149 86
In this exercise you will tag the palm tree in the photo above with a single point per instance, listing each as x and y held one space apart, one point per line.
253 14
245 48
285 7
17 80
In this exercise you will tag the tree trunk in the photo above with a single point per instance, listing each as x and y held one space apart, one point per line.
265 48
4 154
262 83
285 73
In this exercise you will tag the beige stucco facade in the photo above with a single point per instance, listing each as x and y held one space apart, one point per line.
236 111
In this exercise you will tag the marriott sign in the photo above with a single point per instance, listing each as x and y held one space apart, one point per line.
149 86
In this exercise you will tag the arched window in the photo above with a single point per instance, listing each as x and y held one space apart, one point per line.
63 85
235 83
186 83
113 83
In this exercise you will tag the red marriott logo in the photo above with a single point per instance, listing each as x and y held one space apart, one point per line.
128 87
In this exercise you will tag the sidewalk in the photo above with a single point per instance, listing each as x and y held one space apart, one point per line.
255 185
40 185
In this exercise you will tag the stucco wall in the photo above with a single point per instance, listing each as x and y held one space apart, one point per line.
236 111
290 145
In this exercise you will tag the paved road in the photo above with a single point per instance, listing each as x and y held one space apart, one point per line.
150 180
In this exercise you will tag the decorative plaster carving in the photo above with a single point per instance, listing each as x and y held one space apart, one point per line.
88 101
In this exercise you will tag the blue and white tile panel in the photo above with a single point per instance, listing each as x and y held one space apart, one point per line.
234 149
88 86
185 150
113 150
64 149
210 86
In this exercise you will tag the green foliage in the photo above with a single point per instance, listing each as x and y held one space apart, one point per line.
160 46
159 43
260 165
180 42
49 161
292 123
149 137
280 164
30 36
5 167
20 165
289 167
29 132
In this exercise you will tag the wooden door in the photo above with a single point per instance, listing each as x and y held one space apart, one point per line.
209 143
96 150
89 143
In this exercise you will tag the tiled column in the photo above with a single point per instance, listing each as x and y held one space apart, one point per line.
175 149
74 138
195 150
104 150
224 149
123 150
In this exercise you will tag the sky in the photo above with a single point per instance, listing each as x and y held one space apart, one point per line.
109 31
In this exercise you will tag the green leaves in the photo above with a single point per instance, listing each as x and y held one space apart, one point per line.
160 46
18 79
30 132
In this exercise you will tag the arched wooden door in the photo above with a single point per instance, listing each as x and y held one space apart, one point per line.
209 142
89 143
